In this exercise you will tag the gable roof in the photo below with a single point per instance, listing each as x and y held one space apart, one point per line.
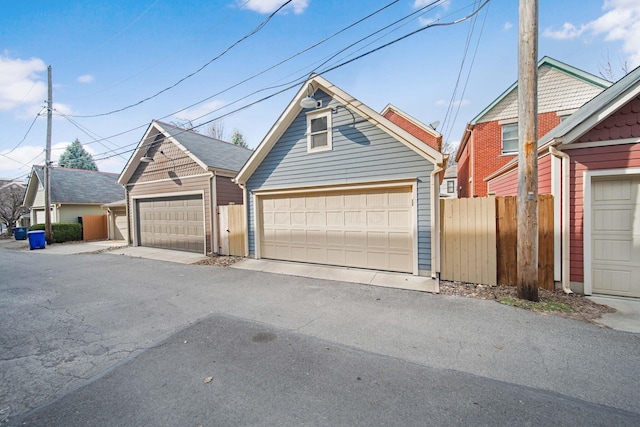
75 186
294 108
595 111
564 70
561 87
586 117
427 128
210 153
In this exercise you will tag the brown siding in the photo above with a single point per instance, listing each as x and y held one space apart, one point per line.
177 185
227 192
173 163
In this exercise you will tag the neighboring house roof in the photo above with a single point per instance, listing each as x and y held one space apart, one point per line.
294 108
424 127
588 116
75 186
561 87
209 153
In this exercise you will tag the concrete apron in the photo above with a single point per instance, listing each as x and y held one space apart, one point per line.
342 274
626 316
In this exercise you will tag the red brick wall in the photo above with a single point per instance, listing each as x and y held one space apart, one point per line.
487 150
414 130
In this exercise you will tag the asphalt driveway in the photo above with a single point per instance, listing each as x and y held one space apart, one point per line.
82 335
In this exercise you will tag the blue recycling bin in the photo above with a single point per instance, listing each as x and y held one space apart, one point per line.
20 233
36 239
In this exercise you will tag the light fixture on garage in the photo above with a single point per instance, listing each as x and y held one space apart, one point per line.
146 159
309 101
173 163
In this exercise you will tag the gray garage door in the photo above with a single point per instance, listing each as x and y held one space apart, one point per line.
172 223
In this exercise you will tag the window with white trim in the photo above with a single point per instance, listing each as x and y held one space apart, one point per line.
510 138
319 131
450 186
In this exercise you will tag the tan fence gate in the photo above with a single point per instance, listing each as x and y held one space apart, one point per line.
479 240
94 227
231 222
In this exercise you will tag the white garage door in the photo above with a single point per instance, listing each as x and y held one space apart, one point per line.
358 228
615 236
172 223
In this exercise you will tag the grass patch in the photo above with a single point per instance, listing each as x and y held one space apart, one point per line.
544 306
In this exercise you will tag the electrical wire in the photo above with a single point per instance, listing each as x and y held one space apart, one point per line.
27 133
473 59
254 75
89 133
327 70
234 44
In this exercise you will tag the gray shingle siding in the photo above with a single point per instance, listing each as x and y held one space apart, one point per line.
361 152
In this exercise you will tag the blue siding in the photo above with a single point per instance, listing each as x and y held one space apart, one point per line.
361 152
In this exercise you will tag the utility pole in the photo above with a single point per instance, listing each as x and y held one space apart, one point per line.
47 163
527 277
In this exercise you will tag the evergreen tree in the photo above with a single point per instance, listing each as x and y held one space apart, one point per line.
76 157
238 139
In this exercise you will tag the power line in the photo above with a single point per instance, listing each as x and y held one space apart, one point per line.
473 60
27 133
259 73
234 44
297 81
450 107
164 60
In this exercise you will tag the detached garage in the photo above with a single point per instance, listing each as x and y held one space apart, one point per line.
593 172
174 181
336 183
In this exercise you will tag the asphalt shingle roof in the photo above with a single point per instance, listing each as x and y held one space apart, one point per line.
82 186
214 153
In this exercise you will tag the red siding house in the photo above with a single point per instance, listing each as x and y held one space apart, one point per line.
490 140
591 164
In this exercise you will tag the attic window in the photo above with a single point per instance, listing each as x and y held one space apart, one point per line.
319 131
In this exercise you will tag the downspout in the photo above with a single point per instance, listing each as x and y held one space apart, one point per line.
244 218
435 220
566 256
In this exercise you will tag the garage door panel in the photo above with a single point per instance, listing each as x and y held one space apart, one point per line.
347 228
172 223
615 236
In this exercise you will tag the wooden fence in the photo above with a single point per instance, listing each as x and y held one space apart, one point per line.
479 240
94 227
231 226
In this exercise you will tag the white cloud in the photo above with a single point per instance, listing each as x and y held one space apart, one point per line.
568 31
268 6
86 78
19 82
507 26
461 103
200 111
620 22
21 159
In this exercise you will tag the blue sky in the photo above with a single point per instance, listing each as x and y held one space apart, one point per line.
108 55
